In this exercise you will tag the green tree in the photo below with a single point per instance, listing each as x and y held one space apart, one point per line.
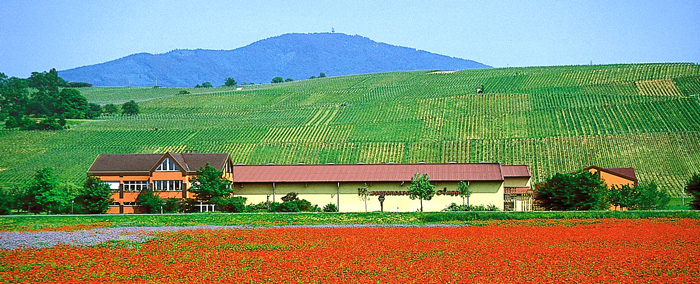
581 190
230 82
207 85
95 196
330 207
651 197
209 183
277 80
464 192
624 196
130 108
9 200
289 80
11 122
45 99
364 193
110 109
322 75
95 110
421 188
693 187
14 96
44 193
71 104
150 201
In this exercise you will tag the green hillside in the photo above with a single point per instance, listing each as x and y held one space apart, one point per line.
554 119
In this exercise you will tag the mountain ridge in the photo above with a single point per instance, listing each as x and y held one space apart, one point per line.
297 56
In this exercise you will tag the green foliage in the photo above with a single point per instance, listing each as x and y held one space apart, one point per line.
29 222
150 202
464 192
229 204
45 101
94 197
78 85
14 96
454 207
277 80
421 188
330 207
173 205
581 190
43 184
322 75
72 105
651 197
298 205
693 187
130 108
110 109
230 82
289 80
11 122
644 196
554 119
9 200
209 183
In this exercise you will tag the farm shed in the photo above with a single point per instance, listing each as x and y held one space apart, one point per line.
615 176
169 174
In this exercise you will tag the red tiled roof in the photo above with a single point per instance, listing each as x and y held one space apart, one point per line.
366 173
516 171
128 163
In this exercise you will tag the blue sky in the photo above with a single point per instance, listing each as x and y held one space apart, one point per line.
40 35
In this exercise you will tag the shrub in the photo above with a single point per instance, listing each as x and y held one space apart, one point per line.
454 207
581 190
150 201
259 207
174 205
229 204
693 187
330 207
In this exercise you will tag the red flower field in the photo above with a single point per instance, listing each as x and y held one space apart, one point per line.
529 251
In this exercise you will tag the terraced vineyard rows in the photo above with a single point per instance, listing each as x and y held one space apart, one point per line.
554 119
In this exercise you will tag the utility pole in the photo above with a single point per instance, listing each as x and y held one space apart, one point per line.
683 190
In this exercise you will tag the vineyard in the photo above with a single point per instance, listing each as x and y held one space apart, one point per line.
554 119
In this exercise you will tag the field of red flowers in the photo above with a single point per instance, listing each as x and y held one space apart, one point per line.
529 251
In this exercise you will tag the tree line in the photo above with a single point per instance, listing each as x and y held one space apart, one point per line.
44 101
583 190
230 82
45 193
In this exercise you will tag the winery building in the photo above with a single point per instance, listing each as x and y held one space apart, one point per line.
169 175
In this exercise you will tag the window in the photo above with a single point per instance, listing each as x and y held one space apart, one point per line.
135 185
167 185
114 204
113 185
167 165
132 204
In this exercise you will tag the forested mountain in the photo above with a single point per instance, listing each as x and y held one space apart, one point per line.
295 56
